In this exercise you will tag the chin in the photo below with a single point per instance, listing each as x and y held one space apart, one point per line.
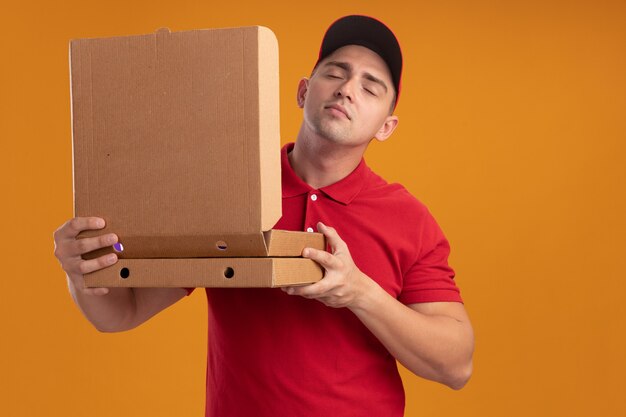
335 134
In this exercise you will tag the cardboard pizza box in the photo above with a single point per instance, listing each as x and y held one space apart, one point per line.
176 144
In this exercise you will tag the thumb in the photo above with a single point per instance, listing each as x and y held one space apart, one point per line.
334 241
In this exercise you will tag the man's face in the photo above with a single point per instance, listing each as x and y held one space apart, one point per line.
349 96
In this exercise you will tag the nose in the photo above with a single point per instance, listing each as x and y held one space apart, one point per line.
346 89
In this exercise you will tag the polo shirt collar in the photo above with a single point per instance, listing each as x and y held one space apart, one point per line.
343 191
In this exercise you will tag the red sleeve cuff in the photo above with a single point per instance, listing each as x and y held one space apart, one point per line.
431 296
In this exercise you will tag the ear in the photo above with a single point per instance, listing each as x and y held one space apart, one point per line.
387 128
303 87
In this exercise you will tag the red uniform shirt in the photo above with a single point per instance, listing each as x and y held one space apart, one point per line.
271 354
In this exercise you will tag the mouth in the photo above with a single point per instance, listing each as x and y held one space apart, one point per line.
338 110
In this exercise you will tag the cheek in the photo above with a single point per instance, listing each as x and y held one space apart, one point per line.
372 120
370 116
310 98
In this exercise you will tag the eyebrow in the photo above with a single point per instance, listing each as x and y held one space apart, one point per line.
348 67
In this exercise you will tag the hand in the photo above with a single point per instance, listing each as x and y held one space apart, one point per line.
343 284
68 250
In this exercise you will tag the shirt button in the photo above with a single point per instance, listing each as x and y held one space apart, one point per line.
313 197
309 229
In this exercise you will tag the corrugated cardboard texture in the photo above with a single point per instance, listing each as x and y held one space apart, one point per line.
207 272
269 127
271 243
176 139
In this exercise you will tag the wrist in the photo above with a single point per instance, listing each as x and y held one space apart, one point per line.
368 294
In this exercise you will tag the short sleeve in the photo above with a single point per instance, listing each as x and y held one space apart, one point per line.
430 278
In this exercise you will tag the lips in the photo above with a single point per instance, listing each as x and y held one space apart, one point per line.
339 108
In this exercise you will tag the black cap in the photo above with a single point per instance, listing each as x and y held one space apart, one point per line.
370 33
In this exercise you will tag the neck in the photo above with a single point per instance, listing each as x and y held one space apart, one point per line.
320 162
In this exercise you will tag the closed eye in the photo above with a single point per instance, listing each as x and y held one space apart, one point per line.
369 91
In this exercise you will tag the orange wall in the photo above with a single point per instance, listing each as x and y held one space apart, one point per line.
512 131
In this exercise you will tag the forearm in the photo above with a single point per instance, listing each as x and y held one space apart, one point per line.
108 309
111 312
435 347
123 308
433 340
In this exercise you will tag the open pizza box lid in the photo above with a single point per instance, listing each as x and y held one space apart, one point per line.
176 144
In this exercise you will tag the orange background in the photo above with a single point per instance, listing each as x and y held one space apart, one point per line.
512 131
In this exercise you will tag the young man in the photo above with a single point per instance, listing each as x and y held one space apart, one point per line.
329 348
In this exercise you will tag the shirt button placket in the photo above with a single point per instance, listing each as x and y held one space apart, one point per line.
311 213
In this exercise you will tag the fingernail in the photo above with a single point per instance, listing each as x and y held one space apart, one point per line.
100 223
111 259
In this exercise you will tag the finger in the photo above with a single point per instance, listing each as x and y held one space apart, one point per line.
95 291
309 291
91 265
79 283
332 237
326 259
74 226
81 246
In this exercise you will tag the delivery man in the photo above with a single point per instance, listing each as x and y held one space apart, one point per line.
330 348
